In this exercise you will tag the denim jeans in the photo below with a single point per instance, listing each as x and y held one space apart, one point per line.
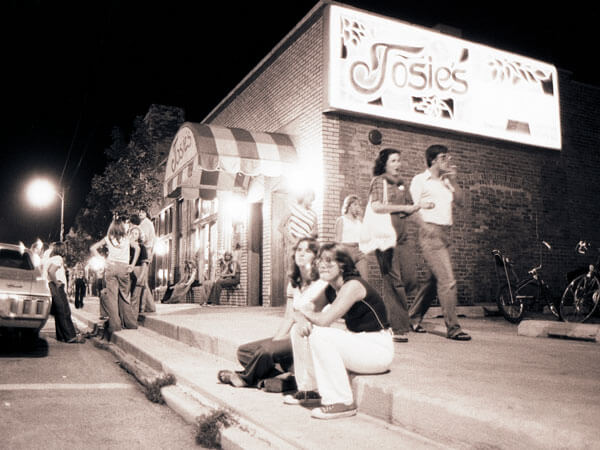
435 244
397 266
117 298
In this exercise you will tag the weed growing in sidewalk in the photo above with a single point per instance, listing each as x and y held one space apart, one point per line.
208 428
153 388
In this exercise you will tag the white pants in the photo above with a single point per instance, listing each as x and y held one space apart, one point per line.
322 360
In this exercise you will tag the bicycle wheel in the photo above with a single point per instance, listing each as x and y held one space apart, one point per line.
510 306
578 301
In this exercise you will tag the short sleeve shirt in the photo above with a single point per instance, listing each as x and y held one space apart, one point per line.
397 194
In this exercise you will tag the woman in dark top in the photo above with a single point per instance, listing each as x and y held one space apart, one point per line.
323 354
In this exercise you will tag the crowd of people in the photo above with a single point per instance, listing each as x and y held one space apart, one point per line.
129 243
328 282
308 358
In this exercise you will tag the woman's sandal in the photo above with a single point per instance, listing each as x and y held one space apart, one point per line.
230 377
462 336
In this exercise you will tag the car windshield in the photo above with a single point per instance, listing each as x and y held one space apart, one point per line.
15 259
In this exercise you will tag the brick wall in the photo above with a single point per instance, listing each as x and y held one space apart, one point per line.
513 193
284 96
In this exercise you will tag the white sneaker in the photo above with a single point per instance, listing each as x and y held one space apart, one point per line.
335 411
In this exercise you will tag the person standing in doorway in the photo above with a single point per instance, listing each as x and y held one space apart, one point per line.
300 221
347 232
397 264
437 184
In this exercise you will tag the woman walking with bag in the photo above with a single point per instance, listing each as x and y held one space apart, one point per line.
390 200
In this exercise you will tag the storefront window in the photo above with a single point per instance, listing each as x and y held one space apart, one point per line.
203 236
163 247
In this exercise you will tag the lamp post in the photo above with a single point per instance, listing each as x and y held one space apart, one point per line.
41 193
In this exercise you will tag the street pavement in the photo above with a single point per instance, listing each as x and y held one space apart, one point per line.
60 396
511 387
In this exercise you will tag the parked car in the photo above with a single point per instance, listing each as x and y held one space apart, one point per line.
24 294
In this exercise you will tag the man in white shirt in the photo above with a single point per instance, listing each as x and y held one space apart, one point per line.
438 185
149 238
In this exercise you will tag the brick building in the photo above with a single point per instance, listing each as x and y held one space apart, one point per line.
528 157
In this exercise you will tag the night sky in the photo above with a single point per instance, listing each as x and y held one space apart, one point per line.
73 70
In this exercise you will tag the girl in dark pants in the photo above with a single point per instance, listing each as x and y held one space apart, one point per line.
79 285
65 330
267 358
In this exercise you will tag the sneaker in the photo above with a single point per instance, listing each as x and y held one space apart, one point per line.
335 411
400 337
303 398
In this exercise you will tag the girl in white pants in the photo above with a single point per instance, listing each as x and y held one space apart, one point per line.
322 354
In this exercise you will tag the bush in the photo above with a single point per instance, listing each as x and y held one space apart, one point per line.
153 389
208 428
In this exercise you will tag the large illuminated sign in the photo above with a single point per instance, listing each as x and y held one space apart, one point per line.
386 68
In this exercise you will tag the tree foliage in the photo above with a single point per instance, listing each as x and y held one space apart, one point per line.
132 179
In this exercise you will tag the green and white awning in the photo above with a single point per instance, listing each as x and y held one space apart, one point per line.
199 151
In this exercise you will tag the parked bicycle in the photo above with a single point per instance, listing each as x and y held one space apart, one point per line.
582 295
517 295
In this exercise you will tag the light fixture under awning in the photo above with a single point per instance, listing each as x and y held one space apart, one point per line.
199 148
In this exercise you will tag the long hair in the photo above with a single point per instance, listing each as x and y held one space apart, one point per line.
342 257
58 248
348 203
116 231
294 274
382 159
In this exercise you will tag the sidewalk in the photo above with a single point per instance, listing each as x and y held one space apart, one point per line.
503 389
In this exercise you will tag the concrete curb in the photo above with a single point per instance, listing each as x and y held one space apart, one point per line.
550 329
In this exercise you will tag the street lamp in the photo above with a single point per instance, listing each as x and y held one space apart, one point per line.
41 193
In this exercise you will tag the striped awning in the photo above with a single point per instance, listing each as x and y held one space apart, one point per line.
199 150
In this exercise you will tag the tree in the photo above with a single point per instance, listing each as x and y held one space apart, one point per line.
133 175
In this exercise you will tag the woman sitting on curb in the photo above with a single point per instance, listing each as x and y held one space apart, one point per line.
323 354
259 358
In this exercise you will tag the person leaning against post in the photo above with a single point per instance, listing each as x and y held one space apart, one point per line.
323 354
397 264
437 184
347 232
266 360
